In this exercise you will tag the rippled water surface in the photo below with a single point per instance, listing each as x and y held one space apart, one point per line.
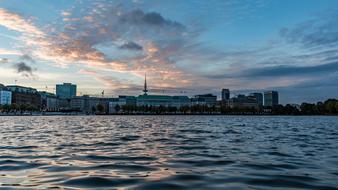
168 152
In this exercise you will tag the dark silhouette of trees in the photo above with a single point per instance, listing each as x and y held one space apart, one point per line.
100 108
328 107
117 108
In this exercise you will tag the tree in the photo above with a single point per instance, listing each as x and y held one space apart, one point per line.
24 107
93 109
330 106
14 107
172 109
117 108
308 109
100 108
184 109
6 107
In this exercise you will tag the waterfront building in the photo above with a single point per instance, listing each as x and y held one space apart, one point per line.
25 96
271 98
180 101
243 102
105 103
66 90
163 100
127 100
84 103
113 104
21 89
225 95
160 100
116 104
5 95
258 97
89 104
78 103
204 99
64 104
49 101
154 100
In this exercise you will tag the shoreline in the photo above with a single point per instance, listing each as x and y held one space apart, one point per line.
154 114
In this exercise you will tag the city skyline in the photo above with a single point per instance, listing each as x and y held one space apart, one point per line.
245 46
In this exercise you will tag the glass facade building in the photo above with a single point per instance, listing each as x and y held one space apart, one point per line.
258 97
271 98
66 90
225 94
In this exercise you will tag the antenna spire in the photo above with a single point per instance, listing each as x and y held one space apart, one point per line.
145 90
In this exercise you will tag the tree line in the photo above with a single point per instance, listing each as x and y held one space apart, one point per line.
18 108
328 107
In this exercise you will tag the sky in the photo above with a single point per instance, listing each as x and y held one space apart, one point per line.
184 47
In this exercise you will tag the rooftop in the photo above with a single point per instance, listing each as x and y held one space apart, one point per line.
162 97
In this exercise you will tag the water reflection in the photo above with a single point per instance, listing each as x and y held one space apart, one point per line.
169 152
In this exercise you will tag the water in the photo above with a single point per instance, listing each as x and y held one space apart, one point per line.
168 152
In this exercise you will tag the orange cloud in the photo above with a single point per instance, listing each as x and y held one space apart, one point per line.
9 52
15 22
77 43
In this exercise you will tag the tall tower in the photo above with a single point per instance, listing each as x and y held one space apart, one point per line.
145 90
271 98
225 94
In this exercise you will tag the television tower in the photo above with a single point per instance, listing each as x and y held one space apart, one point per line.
145 90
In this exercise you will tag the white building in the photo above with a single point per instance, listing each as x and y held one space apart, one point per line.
120 102
161 100
5 97
49 101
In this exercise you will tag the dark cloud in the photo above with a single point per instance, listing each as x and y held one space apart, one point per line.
175 54
137 89
3 60
317 89
131 46
27 57
152 18
85 34
282 71
24 69
319 31
291 70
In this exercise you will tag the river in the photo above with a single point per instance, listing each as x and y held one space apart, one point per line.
169 152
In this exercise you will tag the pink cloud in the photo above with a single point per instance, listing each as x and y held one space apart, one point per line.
15 22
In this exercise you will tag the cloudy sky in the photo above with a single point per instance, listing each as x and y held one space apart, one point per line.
185 47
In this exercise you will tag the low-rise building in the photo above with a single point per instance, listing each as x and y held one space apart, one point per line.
5 95
162 100
49 101
78 103
127 100
180 101
204 99
154 100
89 104
116 104
243 102
258 96
25 96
